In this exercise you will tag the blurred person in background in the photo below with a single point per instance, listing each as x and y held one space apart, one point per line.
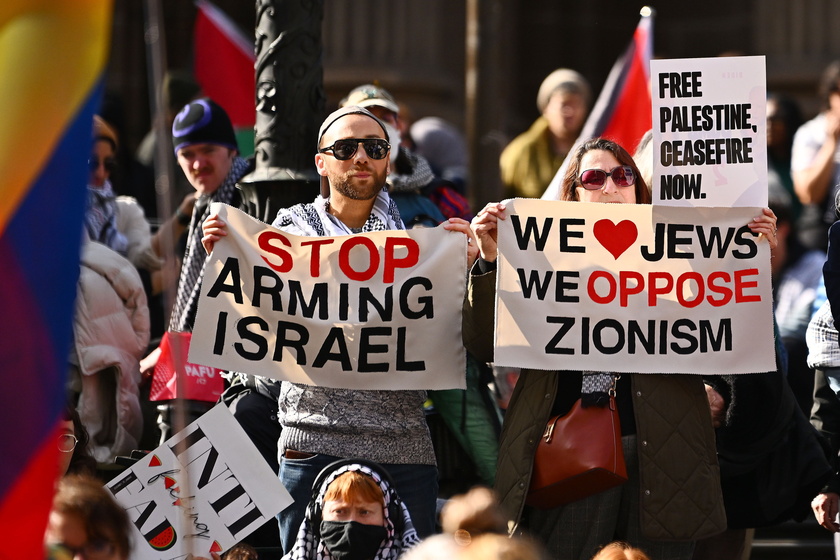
530 161
815 163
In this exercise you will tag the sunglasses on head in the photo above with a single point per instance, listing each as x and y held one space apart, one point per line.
344 149
593 179
109 163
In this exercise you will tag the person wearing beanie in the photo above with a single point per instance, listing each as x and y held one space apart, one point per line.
530 161
206 150
323 424
111 316
207 153
118 222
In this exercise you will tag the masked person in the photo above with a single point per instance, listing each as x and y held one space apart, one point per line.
354 514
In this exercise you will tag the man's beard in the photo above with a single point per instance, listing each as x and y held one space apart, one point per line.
344 185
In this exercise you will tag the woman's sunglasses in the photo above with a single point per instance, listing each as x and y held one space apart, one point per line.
344 149
109 163
593 179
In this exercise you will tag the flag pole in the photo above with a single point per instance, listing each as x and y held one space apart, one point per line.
164 171
623 106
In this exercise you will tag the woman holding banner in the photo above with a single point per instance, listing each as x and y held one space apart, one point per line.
672 496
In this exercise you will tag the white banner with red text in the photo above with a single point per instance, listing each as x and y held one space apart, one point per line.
633 288
379 310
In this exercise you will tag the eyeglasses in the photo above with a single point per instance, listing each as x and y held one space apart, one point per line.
344 149
67 443
95 549
593 179
109 163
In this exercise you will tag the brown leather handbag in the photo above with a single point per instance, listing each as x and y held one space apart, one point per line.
578 455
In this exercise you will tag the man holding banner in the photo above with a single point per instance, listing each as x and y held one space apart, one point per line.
321 423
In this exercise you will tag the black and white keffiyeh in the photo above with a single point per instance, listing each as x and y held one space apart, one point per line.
315 220
192 270
595 388
307 547
420 174
101 218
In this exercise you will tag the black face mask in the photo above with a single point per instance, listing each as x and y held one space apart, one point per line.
350 540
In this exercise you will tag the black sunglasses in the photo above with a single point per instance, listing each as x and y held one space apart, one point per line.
344 149
593 179
109 163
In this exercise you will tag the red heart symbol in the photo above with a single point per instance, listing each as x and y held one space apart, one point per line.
616 238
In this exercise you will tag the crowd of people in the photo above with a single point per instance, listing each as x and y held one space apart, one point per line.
709 458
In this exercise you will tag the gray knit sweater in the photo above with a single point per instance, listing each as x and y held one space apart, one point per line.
382 426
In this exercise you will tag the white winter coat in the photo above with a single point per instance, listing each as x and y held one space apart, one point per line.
110 332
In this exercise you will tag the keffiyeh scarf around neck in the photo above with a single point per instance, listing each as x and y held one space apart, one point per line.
420 175
307 547
596 388
101 218
315 220
192 270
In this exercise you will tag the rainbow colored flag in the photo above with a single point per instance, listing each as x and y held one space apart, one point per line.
224 68
52 56
623 110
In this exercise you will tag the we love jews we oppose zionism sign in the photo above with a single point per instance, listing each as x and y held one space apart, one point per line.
632 288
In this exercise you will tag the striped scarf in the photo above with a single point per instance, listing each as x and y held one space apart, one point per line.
192 271
315 220
101 218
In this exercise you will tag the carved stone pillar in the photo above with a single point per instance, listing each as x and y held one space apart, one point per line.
290 103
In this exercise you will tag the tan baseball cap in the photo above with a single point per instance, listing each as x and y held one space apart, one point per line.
370 95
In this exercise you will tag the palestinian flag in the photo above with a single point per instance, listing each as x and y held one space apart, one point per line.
224 68
623 110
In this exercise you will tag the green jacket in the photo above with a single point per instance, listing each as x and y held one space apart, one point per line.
679 475
528 164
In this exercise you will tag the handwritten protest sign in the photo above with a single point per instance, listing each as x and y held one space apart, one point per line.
709 126
632 288
202 491
378 310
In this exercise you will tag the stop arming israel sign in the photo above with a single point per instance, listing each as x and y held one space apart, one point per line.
633 288
377 310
